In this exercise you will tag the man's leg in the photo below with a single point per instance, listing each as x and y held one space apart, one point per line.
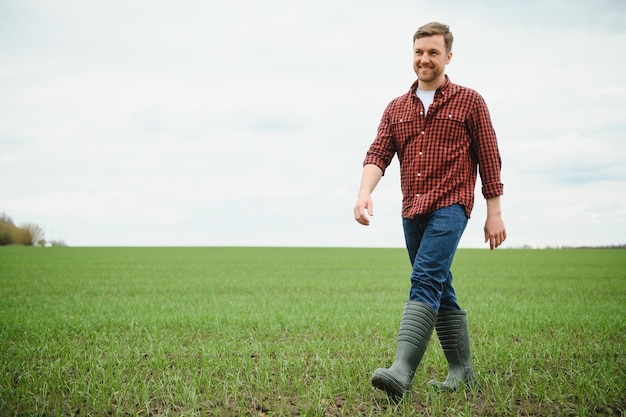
432 283
453 333
431 242
431 279
416 327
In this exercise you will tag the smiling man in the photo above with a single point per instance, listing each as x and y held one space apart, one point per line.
442 135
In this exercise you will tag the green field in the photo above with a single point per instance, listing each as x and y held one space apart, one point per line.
298 332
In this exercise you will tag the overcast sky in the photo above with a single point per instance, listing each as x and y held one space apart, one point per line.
213 123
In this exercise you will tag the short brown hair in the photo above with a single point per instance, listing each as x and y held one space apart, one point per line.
435 28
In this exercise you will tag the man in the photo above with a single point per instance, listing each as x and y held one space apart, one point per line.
442 134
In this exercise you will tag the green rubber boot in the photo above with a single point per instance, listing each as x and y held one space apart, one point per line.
453 334
416 327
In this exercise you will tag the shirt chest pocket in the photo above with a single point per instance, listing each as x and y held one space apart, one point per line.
449 127
404 127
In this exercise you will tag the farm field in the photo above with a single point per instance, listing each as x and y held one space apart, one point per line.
298 332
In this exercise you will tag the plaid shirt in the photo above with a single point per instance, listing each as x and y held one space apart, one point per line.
439 153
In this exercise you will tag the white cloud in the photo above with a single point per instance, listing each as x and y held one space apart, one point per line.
245 123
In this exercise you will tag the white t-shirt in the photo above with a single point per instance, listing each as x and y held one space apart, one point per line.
426 97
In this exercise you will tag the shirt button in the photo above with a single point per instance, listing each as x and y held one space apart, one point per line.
419 174
420 153
423 132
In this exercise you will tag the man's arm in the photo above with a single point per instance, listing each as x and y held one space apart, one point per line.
495 232
485 145
371 175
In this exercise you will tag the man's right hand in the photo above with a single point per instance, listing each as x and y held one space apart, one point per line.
363 205
370 177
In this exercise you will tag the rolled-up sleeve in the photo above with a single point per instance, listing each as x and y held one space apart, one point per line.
485 146
382 150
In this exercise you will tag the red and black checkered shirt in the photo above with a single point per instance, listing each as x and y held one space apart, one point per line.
439 153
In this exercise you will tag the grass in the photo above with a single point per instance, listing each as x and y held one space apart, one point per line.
298 332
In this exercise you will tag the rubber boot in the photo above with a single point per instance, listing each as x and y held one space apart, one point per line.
453 334
416 327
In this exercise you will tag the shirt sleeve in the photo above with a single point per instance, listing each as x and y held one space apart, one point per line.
383 148
485 147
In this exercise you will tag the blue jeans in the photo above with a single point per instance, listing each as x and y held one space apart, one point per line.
432 240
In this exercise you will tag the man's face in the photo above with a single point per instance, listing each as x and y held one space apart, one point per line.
430 59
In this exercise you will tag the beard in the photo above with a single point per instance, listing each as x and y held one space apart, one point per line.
427 74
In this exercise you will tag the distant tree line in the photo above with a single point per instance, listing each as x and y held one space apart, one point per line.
27 234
